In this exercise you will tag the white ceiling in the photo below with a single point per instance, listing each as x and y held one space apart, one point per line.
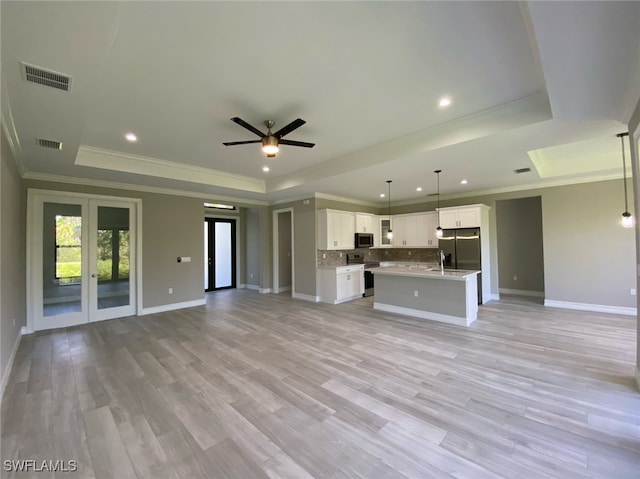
366 76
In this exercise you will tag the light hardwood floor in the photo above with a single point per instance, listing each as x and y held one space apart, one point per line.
265 386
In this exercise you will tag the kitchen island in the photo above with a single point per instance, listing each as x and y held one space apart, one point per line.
449 296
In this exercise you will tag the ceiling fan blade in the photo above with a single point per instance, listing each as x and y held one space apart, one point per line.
246 125
297 143
285 130
231 143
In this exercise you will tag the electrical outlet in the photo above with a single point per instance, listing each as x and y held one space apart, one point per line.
251 275
14 322
341 255
324 255
409 253
415 293
170 290
632 292
515 278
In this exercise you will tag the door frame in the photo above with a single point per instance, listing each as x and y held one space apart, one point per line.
234 242
276 259
35 199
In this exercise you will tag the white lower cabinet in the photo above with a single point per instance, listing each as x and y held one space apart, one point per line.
340 283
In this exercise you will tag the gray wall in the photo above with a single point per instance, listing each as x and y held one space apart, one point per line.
252 246
519 243
172 226
12 255
284 249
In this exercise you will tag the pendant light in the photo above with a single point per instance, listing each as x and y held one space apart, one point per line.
627 219
438 229
389 231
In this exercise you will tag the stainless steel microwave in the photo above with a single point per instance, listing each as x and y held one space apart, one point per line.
364 240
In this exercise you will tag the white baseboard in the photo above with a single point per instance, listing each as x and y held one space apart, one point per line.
417 313
638 378
599 308
305 297
241 286
282 289
252 287
173 306
7 370
492 297
523 292
264 290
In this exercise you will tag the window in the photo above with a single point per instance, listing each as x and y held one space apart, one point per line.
68 249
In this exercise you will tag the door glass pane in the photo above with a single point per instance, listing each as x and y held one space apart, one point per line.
113 257
61 259
222 254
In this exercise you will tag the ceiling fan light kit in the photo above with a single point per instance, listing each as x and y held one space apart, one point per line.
271 141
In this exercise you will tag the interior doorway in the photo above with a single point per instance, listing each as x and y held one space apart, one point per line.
283 261
219 254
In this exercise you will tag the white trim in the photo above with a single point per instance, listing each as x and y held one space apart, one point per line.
305 297
417 313
173 306
35 199
522 292
241 286
599 308
275 248
637 376
7 370
253 287
283 289
492 297
264 290
141 188
144 165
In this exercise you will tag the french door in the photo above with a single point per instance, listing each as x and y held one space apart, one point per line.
219 253
82 259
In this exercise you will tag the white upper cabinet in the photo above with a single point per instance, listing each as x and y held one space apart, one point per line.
365 223
461 217
414 231
336 229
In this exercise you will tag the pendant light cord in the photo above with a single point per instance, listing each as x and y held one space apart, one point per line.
624 171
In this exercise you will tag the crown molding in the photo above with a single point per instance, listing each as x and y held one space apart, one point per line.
141 188
147 166
344 199
511 189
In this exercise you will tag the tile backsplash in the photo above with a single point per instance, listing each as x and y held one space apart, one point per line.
373 255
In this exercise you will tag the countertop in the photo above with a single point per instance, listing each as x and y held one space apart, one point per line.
425 272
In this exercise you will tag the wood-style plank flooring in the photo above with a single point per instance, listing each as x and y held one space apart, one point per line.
257 386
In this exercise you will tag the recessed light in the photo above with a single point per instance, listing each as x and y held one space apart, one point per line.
131 137
444 101
265 169
419 188
381 195
463 182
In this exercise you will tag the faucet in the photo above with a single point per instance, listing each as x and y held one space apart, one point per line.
442 261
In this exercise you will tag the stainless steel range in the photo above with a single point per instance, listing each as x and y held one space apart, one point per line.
356 258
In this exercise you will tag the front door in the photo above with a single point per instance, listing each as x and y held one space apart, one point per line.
219 253
82 259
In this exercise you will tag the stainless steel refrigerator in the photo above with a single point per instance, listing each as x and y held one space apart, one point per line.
461 249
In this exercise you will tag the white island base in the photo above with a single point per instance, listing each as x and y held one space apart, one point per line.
449 297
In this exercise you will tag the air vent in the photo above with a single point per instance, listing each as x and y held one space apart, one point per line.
522 170
54 145
38 75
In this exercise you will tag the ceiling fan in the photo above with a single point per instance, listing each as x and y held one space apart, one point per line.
271 141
